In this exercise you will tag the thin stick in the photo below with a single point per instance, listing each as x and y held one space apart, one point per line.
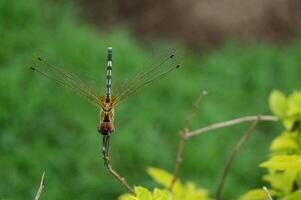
179 157
232 156
116 175
183 136
194 108
269 196
230 123
40 189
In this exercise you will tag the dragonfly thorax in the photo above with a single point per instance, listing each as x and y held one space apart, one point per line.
106 126
107 107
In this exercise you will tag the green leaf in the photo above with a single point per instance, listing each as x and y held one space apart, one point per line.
283 162
143 193
282 181
285 142
294 102
256 194
278 103
288 122
127 197
165 179
161 194
293 113
294 196
180 192
191 192
160 176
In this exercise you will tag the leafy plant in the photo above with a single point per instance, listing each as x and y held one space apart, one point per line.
180 191
284 165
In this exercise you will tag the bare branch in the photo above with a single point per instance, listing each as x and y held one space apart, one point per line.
116 175
269 196
232 156
179 158
194 108
41 187
230 123
183 136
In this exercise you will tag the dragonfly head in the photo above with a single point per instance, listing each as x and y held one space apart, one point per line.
105 128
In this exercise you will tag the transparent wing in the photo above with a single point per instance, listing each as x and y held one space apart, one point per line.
131 86
66 79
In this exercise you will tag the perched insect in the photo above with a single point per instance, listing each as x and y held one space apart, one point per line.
105 102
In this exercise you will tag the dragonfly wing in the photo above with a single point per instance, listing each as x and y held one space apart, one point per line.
65 79
131 86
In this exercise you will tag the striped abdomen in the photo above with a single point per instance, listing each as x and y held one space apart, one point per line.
109 75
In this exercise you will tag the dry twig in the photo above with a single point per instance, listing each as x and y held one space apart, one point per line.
230 123
232 156
40 189
116 175
183 136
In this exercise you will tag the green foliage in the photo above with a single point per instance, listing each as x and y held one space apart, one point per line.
283 163
286 142
284 166
287 109
144 194
256 194
278 103
44 128
180 191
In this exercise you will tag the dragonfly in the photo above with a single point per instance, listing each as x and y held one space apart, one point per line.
108 101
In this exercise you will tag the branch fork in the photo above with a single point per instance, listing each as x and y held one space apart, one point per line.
186 134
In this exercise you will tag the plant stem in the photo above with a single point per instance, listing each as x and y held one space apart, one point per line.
116 175
230 123
232 156
183 136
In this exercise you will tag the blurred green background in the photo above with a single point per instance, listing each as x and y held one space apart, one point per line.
45 128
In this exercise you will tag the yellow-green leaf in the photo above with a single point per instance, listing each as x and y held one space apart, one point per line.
294 104
179 192
143 193
165 179
161 194
160 176
284 142
282 181
283 162
127 197
191 192
256 194
288 122
294 196
278 103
